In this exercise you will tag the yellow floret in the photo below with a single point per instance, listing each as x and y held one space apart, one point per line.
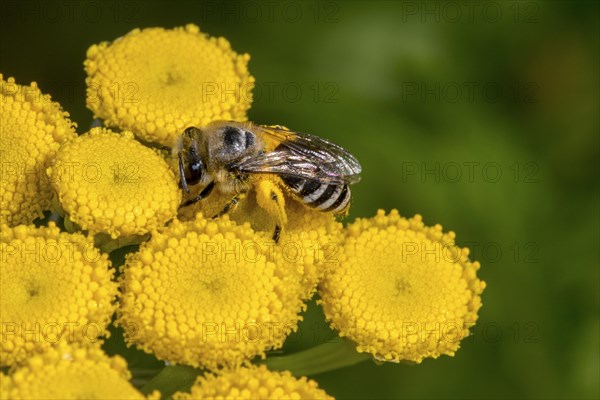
32 128
208 293
109 182
156 82
402 291
253 383
55 287
71 372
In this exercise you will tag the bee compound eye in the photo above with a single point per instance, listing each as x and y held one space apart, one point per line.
196 170
189 131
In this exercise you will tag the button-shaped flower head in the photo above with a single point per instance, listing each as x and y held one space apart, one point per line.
209 293
253 383
109 182
156 82
71 372
32 128
402 290
55 287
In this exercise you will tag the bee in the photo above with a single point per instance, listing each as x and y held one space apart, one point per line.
224 155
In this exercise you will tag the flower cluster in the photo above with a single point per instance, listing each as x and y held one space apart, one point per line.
205 288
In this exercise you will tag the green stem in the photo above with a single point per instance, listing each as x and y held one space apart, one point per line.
316 360
171 379
322 358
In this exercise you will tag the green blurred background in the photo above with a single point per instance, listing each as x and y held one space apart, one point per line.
480 116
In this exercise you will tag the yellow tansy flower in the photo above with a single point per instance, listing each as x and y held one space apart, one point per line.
401 290
109 182
55 287
32 128
253 383
71 372
208 293
156 82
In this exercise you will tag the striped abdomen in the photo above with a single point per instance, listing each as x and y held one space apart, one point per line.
321 196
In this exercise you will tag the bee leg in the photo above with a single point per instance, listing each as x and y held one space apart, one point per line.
227 207
232 203
276 233
270 198
205 192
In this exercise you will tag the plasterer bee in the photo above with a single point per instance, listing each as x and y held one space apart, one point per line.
224 155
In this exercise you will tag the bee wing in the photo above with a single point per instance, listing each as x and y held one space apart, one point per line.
304 156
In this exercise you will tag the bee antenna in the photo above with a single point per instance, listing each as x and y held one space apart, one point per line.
182 174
